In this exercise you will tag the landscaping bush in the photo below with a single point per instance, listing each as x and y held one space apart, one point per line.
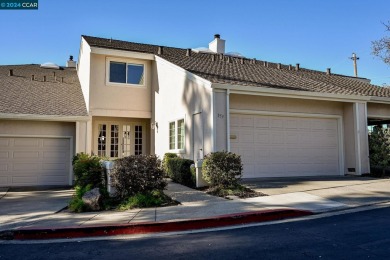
179 170
76 204
379 148
223 169
144 200
137 174
88 171
167 156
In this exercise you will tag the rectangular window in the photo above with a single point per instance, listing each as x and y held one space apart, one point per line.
180 134
121 72
172 136
102 140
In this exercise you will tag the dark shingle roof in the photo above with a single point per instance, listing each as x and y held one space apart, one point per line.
230 70
21 95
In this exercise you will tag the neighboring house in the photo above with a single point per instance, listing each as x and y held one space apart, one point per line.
146 99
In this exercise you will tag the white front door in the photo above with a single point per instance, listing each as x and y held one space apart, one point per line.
280 146
118 139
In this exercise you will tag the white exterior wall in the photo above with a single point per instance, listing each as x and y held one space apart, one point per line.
83 70
179 94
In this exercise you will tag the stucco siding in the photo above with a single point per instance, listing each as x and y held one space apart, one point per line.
376 110
249 102
83 70
178 95
122 100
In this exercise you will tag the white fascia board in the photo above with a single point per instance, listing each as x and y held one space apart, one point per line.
122 53
380 100
261 91
188 74
43 117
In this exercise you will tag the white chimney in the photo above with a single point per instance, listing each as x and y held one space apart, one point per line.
217 45
71 63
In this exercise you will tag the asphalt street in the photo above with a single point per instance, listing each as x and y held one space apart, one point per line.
362 235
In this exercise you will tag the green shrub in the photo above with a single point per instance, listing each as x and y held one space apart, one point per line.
222 169
137 174
76 204
179 170
167 156
379 148
144 200
88 170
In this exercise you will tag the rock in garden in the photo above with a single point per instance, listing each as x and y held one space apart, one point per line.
92 199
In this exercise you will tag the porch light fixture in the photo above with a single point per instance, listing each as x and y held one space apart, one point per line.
154 125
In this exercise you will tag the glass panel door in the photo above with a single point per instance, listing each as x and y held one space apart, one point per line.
138 140
126 140
114 141
102 140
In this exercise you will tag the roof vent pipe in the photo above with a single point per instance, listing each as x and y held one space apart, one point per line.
188 54
228 59
328 71
32 77
297 67
160 50
279 66
212 57
254 61
242 60
11 73
217 36
44 78
62 79
290 67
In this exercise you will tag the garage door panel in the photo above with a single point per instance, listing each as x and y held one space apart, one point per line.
56 143
25 155
4 155
34 161
26 142
24 180
4 143
286 146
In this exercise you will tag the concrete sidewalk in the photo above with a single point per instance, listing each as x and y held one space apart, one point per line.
196 204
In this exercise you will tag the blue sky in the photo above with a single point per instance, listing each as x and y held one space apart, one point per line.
316 34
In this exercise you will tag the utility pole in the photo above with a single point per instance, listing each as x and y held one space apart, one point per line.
354 58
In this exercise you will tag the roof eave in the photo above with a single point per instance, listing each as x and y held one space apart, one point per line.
34 117
262 91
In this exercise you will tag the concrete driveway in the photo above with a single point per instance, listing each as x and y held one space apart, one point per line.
348 190
29 205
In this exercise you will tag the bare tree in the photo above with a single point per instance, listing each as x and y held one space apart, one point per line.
381 47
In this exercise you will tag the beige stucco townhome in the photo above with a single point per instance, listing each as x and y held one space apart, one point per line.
129 98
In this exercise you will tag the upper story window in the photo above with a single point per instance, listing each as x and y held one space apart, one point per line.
126 73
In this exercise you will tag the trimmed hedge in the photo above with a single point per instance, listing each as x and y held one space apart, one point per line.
179 170
167 156
137 174
223 169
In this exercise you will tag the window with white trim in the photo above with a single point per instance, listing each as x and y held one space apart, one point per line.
177 135
180 134
172 136
126 73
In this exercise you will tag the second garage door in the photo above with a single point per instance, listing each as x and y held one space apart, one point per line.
278 146
31 161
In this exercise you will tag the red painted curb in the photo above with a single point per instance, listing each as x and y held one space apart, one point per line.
154 227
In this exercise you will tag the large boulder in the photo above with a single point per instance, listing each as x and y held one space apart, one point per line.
92 199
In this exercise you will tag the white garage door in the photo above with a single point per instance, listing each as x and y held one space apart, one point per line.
34 161
277 146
